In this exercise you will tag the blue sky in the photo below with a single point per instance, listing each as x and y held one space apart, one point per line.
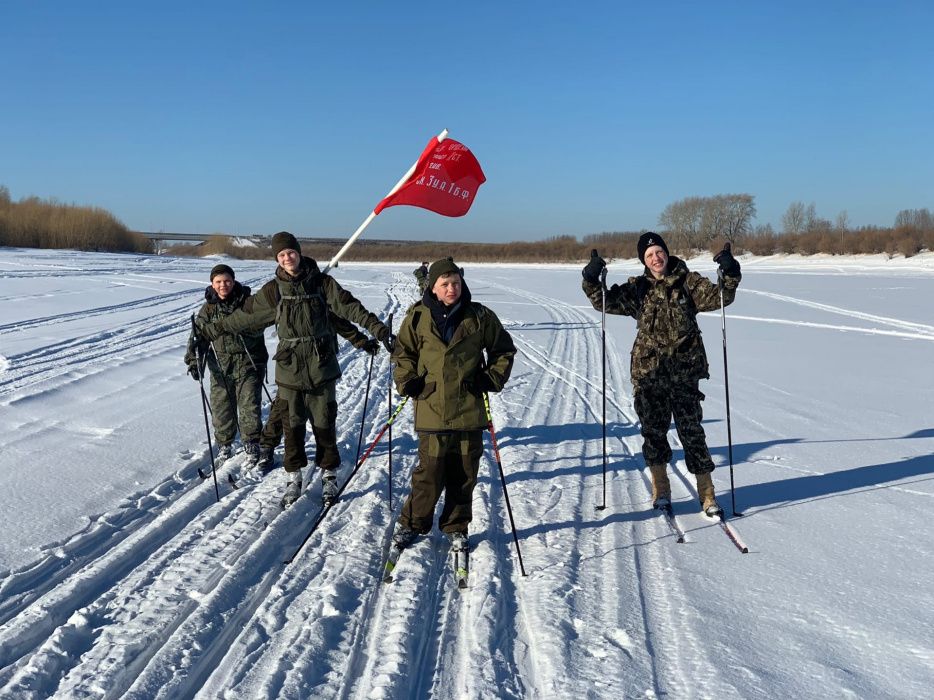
586 117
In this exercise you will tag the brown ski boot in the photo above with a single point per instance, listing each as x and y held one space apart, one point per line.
661 488
706 495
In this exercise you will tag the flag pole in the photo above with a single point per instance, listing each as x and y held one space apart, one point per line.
353 239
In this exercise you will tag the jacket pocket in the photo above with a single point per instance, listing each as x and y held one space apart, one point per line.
427 391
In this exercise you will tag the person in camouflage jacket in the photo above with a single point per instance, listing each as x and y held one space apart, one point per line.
237 362
440 363
299 301
668 356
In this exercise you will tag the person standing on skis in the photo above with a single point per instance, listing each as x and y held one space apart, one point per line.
668 356
421 276
278 418
237 362
449 352
298 300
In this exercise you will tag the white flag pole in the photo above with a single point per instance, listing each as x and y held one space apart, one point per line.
443 135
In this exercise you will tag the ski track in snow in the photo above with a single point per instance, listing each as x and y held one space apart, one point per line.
176 596
194 600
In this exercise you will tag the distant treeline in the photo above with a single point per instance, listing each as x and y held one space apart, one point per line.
689 225
35 223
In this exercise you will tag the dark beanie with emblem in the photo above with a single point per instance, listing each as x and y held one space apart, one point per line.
441 267
646 241
222 269
284 241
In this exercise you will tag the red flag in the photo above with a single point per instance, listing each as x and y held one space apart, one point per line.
446 179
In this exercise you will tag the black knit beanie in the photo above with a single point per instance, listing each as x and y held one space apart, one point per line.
222 269
441 267
646 241
284 241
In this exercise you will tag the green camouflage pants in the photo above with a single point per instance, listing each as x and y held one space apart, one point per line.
233 396
320 407
447 462
658 399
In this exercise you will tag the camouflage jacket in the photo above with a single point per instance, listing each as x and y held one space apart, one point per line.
445 403
232 354
303 308
667 335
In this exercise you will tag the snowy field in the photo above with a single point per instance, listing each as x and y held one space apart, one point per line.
121 576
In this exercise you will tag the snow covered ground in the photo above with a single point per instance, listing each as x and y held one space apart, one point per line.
120 576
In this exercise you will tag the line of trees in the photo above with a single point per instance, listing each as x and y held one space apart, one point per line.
689 225
35 223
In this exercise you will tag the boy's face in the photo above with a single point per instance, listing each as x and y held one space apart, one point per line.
448 288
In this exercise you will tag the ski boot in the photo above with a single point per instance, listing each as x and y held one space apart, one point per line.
661 488
705 493
265 461
293 490
251 450
224 452
402 537
329 488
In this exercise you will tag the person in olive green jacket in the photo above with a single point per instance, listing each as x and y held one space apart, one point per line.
668 356
298 301
440 363
237 362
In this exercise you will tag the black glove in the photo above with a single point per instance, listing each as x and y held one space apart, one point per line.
371 346
414 387
480 384
195 374
389 342
594 268
729 266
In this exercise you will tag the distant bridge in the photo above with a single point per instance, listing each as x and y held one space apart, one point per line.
264 239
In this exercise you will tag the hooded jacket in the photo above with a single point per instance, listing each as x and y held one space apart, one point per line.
448 401
667 335
301 308
229 353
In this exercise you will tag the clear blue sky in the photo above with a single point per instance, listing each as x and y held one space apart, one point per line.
586 117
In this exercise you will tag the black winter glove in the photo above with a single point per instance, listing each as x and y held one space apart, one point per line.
389 342
195 374
414 387
729 265
371 346
593 269
480 384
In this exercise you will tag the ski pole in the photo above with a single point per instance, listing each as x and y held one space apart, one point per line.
366 399
327 508
603 342
255 368
389 402
502 478
726 386
202 363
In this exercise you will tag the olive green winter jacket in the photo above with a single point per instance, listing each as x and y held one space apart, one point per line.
667 334
228 353
447 403
301 308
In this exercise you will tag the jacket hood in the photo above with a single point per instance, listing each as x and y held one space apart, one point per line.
238 293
